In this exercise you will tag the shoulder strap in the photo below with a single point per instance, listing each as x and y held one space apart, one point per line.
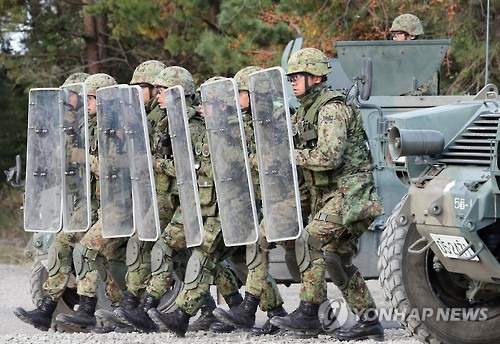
323 99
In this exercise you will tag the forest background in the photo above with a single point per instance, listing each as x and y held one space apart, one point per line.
44 41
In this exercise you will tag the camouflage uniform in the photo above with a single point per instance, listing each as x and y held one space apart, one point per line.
60 253
204 266
173 242
105 252
331 151
94 256
139 253
61 250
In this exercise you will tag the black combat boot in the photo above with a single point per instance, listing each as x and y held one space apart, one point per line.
303 322
41 317
83 319
221 327
111 321
268 328
206 317
176 321
367 327
242 316
138 317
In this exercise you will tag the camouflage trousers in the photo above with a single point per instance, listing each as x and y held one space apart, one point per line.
259 282
327 229
175 238
62 247
110 251
138 275
213 271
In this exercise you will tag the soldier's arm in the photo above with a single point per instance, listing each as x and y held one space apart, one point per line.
332 135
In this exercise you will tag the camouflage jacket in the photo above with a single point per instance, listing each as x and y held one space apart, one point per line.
329 139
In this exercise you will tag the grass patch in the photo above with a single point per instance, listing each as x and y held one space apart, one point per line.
13 238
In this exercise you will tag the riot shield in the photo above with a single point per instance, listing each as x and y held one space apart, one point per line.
184 165
114 166
145 206
42 202
73 116
227 143
276 155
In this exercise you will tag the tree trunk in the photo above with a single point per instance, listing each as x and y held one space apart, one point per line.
95 40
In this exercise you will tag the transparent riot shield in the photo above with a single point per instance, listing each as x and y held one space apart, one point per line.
227 143
276 155
184 165
42 202
115 184
73 116
145 206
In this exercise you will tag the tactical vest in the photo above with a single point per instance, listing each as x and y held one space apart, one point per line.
306 137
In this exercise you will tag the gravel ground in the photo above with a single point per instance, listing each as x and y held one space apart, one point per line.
14 292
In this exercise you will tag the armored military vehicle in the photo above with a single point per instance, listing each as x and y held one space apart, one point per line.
440 246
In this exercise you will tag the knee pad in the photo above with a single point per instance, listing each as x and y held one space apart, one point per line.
199 270
58 258
117 271
292 265
86 260
340 269
138 253
307 249
161 258
256 255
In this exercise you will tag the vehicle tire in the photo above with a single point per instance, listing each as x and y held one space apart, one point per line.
410 283
69 299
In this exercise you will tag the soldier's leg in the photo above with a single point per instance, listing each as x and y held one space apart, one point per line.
60 258
227 284
304 321
260 288
199 276
346 276
162 269
89 259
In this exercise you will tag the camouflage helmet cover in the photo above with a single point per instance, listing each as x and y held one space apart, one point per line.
75 78
242 77
96 81
408 23
176 76
214 78
146 72
309 60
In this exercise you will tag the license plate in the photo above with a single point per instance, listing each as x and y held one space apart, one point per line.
450 246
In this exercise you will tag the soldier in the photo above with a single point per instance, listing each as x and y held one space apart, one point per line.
94 255
270 300
407 27
138 257
332 153
201 271
60 253
173 241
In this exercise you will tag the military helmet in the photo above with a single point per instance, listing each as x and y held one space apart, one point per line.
214 78
176 76
309 60
408 23
75 78
243 75
96 81
146 72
